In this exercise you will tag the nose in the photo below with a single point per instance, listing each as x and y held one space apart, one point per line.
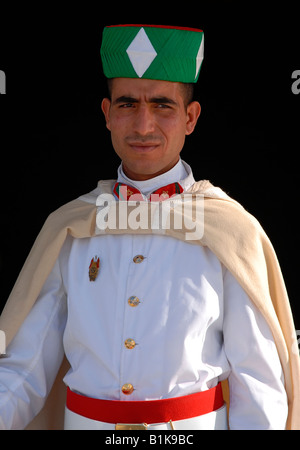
143 121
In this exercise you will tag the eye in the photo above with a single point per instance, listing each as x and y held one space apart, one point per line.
126 105
163 106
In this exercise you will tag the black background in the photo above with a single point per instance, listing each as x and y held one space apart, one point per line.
55 147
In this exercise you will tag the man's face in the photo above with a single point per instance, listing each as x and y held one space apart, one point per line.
148 121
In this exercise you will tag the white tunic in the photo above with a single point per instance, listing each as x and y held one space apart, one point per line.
193 326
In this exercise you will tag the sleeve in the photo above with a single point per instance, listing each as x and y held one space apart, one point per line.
34 356
258 398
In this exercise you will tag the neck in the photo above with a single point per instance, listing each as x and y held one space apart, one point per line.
175 174
143 177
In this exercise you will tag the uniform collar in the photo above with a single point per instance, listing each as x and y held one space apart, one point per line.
181 173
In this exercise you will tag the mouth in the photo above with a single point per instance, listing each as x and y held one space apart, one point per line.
142 147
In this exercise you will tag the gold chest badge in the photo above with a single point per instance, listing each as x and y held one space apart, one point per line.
94 268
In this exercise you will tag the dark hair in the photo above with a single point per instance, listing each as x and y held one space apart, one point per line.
188 93
186 88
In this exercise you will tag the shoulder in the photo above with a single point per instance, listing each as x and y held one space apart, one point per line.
78 214
226 217
71 210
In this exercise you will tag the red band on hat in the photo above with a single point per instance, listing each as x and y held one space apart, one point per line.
158 26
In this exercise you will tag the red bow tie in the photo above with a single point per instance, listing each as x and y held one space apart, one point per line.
125 192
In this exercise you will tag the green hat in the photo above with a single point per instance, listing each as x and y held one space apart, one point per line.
152 51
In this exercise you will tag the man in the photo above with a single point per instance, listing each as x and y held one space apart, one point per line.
149 320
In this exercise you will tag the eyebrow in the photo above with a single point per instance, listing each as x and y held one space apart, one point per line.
157 100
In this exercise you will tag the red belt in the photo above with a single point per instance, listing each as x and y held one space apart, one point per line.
149 411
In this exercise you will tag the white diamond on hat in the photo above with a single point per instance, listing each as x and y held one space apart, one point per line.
200 56
141 52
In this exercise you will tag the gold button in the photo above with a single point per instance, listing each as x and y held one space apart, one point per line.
138 259
127 388
133 301
130 343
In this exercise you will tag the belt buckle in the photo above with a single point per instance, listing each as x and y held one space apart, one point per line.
131 426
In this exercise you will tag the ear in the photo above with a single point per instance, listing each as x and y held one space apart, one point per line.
193 113
105 106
